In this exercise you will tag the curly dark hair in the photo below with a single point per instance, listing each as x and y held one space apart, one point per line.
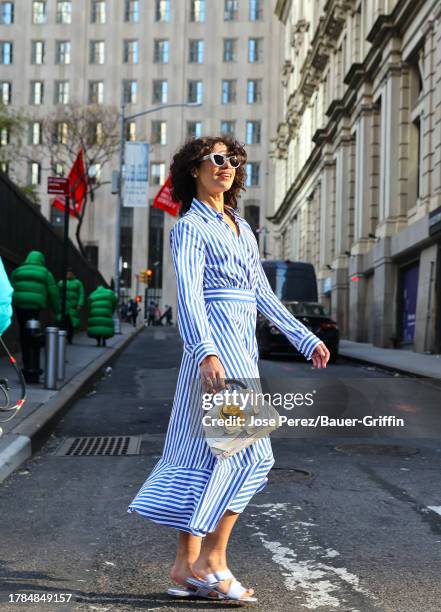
187 158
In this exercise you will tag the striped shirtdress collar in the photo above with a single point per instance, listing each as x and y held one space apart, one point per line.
209 213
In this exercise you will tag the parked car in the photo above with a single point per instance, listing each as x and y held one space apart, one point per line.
312 314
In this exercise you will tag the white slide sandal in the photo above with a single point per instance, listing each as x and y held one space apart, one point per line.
235 592
202 589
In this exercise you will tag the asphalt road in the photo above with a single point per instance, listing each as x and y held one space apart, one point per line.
338 528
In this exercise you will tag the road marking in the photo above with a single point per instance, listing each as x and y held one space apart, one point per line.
306 565
159 335
436 509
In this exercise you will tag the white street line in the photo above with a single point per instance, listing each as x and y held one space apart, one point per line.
436 509
317 582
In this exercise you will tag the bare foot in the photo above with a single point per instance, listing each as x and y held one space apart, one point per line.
180 572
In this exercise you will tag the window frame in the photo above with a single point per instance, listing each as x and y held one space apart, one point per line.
43 18
59 11
3 6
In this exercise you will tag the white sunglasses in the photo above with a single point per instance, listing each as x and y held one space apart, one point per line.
219 159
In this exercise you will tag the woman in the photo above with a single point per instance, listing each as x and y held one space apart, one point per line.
220 283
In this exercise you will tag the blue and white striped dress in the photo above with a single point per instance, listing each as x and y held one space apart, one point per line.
220 283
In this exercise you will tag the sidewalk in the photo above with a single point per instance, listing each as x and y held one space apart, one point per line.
84 361
400 360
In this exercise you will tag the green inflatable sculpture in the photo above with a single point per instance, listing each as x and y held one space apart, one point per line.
102 303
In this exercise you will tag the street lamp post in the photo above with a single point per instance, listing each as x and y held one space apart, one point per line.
123 119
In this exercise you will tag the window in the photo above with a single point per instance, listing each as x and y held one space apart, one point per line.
129 91
194 92
228 127
35 133
4 136
5 92
228 91
131 52
39 14
254 91
37 92
95 133
253 132
131 12
95 172
197 11
160 91
98 14
34 173
161 51
96 52
231 10
255 50
196 54
61 92
159 132
157 173
96 92
5 52
194 129
252 170
256 10
37 52
62 52
6 13
64 11
131 130
61 133
59 169
230 50
162 12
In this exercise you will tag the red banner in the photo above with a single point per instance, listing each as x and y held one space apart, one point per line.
78 188
164 200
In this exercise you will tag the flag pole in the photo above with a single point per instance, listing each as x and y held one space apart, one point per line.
65 262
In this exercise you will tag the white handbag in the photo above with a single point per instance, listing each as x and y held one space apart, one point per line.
232 422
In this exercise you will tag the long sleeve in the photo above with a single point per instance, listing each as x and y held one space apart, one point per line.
273 309
188 251
53 293
80 294
6 292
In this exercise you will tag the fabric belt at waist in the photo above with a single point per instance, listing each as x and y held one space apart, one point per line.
229 293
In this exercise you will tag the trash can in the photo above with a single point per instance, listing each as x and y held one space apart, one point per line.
33 341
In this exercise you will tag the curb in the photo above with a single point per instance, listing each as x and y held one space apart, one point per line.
388 367
30 434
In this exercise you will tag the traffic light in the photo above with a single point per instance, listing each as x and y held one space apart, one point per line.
138 299
145 275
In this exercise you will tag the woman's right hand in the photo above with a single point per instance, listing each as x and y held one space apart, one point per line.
212 374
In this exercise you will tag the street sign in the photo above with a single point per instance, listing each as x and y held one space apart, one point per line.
58 185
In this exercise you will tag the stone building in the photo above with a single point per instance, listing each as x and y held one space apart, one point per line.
151 52
358 162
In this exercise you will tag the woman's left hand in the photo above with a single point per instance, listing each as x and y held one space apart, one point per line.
320 356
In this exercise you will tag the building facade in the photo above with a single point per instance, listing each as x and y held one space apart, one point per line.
149 53
358 162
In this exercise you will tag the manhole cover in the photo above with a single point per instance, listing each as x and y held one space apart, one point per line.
393 450
288 475
100 445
